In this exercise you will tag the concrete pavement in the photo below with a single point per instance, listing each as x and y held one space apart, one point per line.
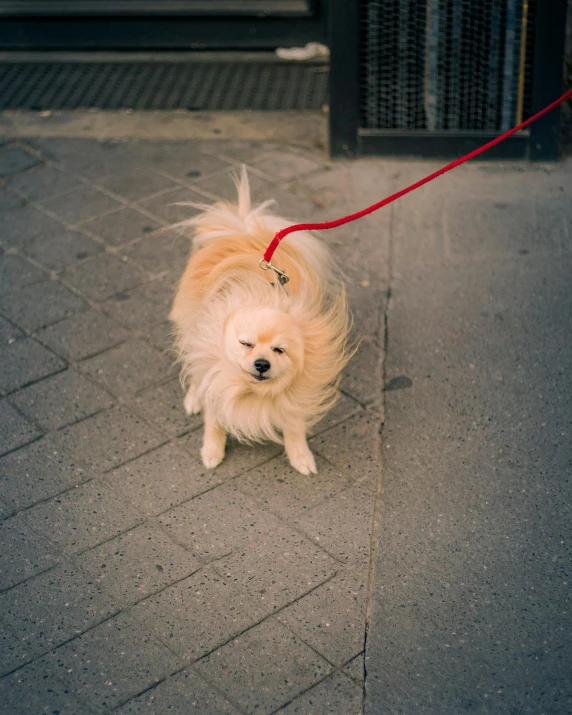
472 588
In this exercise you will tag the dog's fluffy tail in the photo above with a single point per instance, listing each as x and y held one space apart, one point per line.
244 202
224 218
249 228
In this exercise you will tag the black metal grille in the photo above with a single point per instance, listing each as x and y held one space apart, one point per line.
445 64
194 86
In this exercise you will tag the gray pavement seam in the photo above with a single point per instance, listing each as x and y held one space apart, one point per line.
198 675
378 503
338 671
31 382
272 615
30 420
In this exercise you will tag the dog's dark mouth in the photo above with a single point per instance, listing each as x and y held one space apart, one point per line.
260 378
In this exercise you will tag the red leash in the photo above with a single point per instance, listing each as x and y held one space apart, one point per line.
370 209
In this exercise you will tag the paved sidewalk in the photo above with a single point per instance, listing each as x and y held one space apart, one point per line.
132 578
136 581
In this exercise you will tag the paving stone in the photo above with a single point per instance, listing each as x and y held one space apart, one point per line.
282 165
29 691
15 430
9 201
13 653
25 224
355 669
111 663
277 568
162 337
109 439
24 361
80 205
161 253
336 695
43 183
137 564
163 406
236 151
54 607
222 187
39 471
167 206
16 273
83 517
342 525
264 668
83 335
216 523
161 479
88 157
141 307
332 618
294 206
5 510
15 159
362 378
288 493
181 694
136 184
344 408
58 252
128 368
8 332
39 305
239 457
184 160
352 445
194 515
103 276
121 226
24 552
61 400
198 614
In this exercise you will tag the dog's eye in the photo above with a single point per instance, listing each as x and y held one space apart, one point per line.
278 350
246 345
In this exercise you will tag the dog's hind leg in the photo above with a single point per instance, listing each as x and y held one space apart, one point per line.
192 402
214 441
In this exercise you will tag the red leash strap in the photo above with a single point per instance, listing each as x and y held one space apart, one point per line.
370 209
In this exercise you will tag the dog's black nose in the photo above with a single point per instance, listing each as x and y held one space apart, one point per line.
262 365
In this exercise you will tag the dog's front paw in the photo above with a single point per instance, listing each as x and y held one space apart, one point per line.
192 403
212 454
302 460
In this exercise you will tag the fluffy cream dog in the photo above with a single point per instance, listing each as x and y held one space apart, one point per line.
261 360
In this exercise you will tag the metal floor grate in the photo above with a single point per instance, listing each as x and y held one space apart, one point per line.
194 86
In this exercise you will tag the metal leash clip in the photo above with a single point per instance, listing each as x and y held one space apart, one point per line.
283 278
